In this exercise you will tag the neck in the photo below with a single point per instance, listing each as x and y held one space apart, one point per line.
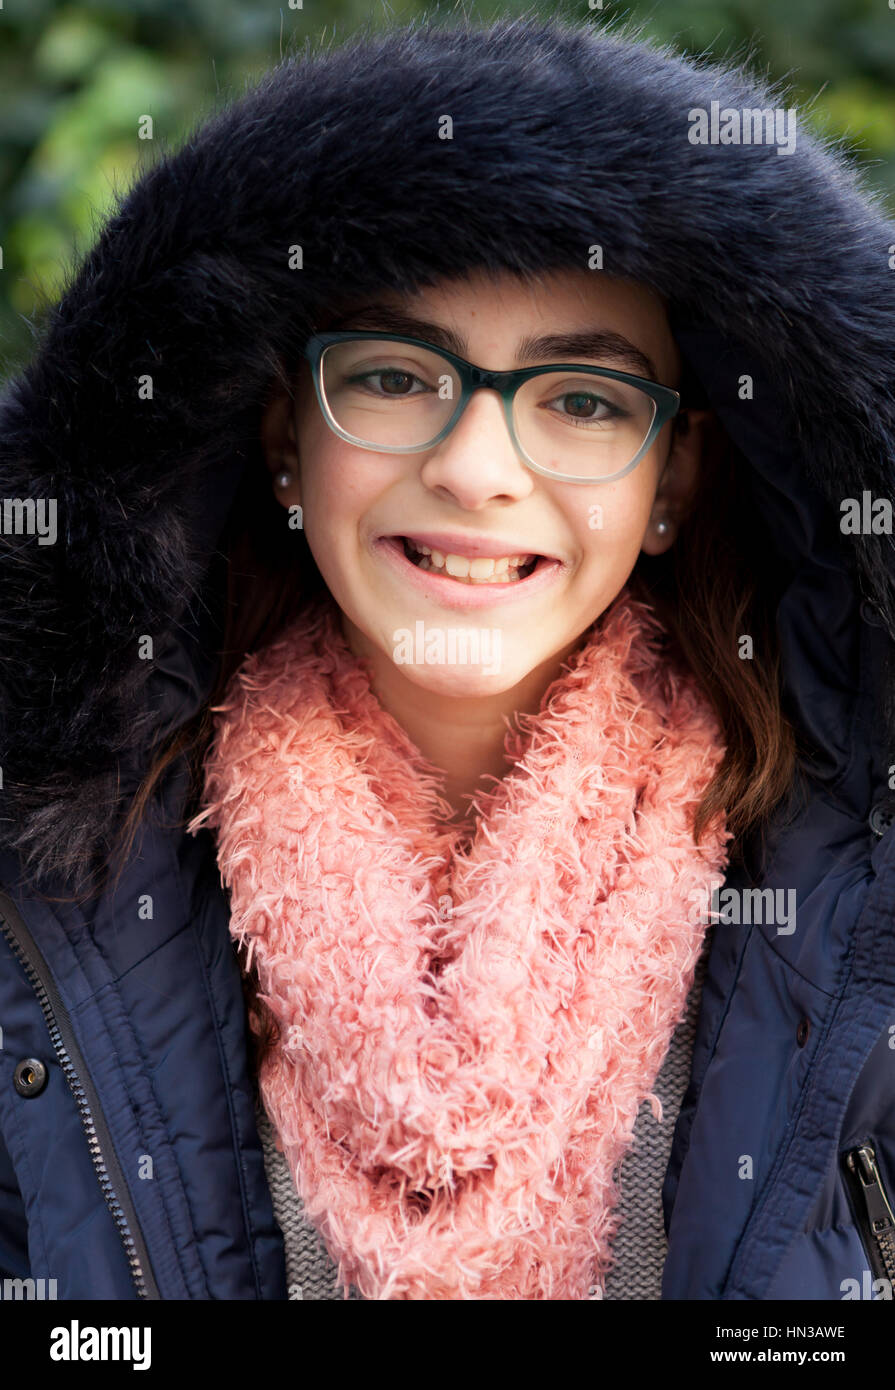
463 737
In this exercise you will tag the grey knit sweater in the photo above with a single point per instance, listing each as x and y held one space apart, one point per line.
640 1246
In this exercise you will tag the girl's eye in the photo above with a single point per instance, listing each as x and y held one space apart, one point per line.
586 406
393 381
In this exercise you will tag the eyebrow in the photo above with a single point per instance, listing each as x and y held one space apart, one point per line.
603 345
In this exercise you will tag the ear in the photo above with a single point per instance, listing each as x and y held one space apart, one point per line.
278 443
693 432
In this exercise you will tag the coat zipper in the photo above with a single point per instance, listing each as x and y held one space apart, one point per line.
99 1139
872 1208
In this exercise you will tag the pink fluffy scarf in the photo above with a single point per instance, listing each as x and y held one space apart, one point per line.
468 1027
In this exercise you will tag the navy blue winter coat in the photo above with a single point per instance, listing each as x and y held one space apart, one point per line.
130 1163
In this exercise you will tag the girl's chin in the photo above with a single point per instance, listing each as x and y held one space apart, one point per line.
464 658
460 684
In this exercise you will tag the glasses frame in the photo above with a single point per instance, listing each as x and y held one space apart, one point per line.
473 378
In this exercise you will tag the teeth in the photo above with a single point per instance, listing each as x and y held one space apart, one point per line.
482 570
457 565
505 578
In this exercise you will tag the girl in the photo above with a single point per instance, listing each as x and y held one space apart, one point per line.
447 746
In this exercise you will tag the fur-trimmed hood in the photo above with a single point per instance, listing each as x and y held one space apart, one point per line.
775 266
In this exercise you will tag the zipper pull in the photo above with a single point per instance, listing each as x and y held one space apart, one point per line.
862 1162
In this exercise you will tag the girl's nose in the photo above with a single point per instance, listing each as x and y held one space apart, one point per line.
478 460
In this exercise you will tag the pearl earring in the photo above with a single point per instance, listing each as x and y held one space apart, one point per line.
662 527
284 478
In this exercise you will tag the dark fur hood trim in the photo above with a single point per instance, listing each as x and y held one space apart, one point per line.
562 138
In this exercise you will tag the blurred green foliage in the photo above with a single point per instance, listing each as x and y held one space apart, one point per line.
76 78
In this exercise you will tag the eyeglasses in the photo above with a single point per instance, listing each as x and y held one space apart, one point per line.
574 423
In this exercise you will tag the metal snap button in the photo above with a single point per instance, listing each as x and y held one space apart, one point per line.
802 1032
870 614
30 1077
882 816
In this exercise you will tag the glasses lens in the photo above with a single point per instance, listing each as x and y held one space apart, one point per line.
393 395
585 425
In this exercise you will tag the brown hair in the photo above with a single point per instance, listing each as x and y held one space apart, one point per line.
707 590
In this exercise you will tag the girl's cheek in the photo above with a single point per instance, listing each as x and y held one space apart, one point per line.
610 523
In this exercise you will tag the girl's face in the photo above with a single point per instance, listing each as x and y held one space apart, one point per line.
474 492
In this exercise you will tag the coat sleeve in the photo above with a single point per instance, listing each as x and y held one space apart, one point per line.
13 1221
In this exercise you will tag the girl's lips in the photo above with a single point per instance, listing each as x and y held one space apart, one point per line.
450 593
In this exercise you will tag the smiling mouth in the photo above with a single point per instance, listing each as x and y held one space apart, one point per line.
504 569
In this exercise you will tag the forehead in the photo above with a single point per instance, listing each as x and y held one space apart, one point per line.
503 316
